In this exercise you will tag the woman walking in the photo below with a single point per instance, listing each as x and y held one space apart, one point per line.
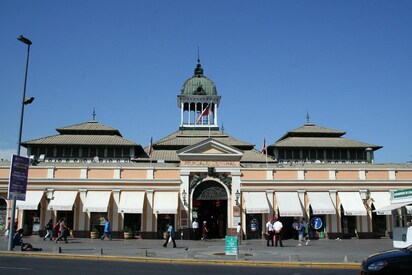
49 228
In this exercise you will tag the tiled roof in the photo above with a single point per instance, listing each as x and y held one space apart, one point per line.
183 138
88 127
81 140
322 142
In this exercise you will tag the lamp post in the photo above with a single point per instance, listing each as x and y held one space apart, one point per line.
25 101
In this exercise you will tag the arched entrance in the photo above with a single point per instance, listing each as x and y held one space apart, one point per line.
210 205
3 214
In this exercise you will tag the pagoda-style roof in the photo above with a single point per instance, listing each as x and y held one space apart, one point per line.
166 148
88 133
313 136
90 127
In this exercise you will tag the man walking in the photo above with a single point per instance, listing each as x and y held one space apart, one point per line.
269 229
277 227
106 232
170 236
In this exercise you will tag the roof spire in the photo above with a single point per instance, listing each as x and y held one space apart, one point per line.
94 113
199 69
307 117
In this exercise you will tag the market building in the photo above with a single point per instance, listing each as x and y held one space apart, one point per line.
88 172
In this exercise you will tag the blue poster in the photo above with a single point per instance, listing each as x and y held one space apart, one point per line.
19 171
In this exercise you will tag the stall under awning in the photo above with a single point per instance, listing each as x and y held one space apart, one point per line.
352 204
32 201
380 200
97 201
256 202
289 204
321 203
131 202
165 202
62 200
392 206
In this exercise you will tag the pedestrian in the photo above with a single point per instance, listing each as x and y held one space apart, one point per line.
277 227
269 232
63 231
7 233
195 227
18 241
239 233
302 231
56 230
295 227
205 230
106 231
170 236
49 229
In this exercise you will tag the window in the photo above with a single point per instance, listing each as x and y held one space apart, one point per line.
111 152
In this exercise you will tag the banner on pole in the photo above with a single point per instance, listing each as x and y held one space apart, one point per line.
19 171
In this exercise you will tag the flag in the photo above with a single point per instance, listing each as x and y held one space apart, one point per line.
204 113
264 147
150 149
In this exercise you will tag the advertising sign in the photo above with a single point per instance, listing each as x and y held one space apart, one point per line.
231 245
19 170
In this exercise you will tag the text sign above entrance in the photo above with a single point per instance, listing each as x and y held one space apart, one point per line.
209 163
19 171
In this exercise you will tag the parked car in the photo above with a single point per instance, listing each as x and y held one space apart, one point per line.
395 261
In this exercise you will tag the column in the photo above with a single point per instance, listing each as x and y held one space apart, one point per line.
182 105
215 115
149 213
115 219
82 215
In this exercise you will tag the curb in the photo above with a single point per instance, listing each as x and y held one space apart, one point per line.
183 261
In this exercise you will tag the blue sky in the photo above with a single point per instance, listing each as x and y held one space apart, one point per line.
347 63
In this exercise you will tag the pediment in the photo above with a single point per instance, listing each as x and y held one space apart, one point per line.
210 149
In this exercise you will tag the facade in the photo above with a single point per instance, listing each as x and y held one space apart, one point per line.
88 172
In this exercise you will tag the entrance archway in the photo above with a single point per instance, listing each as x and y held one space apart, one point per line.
210 205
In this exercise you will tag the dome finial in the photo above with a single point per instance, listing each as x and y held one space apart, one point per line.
199 69
307 117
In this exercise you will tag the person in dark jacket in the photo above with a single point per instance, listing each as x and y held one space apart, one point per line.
49 228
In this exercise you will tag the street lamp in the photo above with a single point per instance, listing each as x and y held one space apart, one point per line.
25 101
237 197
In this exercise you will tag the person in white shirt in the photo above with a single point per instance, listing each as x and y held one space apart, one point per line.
269 231
277 227
239 233
195 227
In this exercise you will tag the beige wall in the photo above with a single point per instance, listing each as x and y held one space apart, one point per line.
404 175
249 174
100 173
377 175
285 175
38 173
347 175
66 173
316 175
133 174
167 174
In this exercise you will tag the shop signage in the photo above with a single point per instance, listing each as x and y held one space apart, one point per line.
231 245
19 171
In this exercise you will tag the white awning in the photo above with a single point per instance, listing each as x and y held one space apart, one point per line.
256 202
321 203
62 200
289 204
131 202
32 201
352 204
97 201
165 202
380 200
392 206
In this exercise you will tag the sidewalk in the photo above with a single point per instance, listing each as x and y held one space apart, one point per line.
349 253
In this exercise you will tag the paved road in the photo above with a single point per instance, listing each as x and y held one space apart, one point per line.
39 266
323 251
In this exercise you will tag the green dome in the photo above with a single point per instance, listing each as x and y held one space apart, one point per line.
199 84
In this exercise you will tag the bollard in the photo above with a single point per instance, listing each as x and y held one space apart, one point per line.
57 250
345 259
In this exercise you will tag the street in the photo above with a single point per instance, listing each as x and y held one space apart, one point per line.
39 266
